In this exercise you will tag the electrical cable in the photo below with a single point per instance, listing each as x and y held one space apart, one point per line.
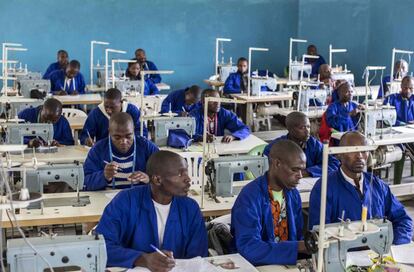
9 192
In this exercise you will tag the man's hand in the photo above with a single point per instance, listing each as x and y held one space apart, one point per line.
354 112
56 143
156 262
36 142
184 114
61 92
228 139
75 92
138 176
210 138
110 170
89 142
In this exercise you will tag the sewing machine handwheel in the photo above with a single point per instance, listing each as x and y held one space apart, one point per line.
311 241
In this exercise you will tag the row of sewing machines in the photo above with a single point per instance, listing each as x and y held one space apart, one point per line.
88 252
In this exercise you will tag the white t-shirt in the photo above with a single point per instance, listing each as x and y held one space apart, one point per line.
350 180
162 212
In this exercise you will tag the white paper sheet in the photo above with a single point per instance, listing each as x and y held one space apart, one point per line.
403 253
196 264
203 265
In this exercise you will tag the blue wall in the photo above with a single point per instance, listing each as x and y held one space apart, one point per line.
344 24
180 34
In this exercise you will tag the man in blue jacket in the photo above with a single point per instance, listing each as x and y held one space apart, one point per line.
343 115
133 73
49 112
147 65
69 81
298 126
219 119
181 101
237 82
119 160
62 62
400 71
316 63
266 219
97 123
404 106
158 214
350 188
403 102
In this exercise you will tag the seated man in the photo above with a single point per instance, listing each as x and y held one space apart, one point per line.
266 219
404 106
316 63
147 65
343 115
97 123
158 214
181 101
133 73
119 160
403 102
325 76
62 62
69 81
400 71
350 188
49 112
298 126
219 119
237 82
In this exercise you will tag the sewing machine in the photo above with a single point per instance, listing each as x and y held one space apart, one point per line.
12 108
386 114
221 170
71 174
77 253
225 70
297 67
163 125
29 76
308 95
259 82
129 86
26 86
344 236
15 133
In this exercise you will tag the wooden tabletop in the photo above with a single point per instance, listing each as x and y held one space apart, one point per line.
312 113
83 99
214 83
91 213
163 87
235 147
99 199
65 154
277 96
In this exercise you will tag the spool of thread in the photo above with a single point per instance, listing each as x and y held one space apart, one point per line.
364 218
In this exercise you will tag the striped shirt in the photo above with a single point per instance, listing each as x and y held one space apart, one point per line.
126 167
